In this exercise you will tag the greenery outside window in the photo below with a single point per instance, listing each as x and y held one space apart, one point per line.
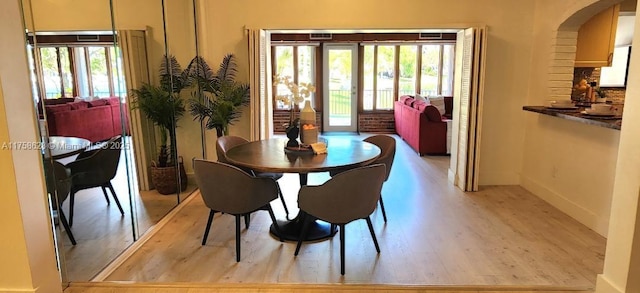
78 71
296 61
422 68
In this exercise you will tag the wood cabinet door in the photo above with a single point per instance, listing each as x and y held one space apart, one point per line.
596 39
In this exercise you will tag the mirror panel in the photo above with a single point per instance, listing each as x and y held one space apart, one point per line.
77 53
75 83
181 40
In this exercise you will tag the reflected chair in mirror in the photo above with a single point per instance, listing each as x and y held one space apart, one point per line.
348 196
225 143
387 145
228 189
96 168
57 178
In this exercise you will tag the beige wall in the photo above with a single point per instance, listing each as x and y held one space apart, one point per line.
622 260
569 164
508 52
27 253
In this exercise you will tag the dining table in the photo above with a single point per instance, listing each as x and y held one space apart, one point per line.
60 147
270 156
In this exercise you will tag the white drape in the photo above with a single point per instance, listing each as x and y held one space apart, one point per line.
260 81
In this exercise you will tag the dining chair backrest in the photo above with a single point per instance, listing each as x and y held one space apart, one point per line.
225 143
228 189
387 145
57 179
347 196
103 160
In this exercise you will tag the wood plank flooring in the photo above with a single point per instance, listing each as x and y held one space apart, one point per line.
436 235
101 232
109 287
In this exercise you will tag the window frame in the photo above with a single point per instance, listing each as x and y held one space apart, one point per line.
396 79
73 68
296 72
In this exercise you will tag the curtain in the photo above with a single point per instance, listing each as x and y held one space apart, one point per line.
132 45
260 80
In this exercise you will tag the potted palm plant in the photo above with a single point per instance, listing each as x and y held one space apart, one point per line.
220 97
162 105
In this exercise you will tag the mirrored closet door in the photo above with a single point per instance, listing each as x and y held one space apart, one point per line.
113 170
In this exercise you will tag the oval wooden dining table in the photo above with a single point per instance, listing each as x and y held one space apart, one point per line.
270 156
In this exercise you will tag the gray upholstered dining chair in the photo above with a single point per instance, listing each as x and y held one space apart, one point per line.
230 190
346 197
225 143
58 181
95 168
387 147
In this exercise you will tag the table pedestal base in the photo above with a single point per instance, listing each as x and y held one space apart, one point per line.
290 230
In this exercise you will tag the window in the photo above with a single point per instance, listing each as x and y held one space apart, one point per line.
79 71
422 68
298 62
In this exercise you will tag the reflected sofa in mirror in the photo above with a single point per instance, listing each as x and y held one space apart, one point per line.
81 60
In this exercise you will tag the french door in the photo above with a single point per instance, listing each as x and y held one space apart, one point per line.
340 104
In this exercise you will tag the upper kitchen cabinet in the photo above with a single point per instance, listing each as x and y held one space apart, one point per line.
596 39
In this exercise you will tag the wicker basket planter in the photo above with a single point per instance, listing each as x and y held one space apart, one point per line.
165 180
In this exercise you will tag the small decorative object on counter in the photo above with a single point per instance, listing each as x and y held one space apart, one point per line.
292 133
592 92
601 95
309 132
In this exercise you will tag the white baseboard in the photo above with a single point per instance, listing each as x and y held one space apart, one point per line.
603 285
582 215
451 176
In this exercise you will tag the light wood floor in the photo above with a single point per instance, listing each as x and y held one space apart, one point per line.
101 232
297 288
436 235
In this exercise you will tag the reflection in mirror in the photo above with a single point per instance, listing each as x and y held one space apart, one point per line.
75 79
84 68
181 48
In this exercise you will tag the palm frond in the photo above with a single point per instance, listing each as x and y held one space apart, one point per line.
228 69
171 78
199 72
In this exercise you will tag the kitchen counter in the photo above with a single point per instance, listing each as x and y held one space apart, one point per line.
574 115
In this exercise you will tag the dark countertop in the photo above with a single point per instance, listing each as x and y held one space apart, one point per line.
575 115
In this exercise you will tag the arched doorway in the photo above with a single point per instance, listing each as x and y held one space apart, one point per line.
622 259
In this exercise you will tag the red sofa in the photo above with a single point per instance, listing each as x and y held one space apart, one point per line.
421 125
96 120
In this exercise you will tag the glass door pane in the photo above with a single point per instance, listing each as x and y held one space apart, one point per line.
98 69
50 72
386 73
408 59
340 102
430 69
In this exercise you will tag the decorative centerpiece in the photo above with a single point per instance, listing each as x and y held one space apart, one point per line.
297 94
